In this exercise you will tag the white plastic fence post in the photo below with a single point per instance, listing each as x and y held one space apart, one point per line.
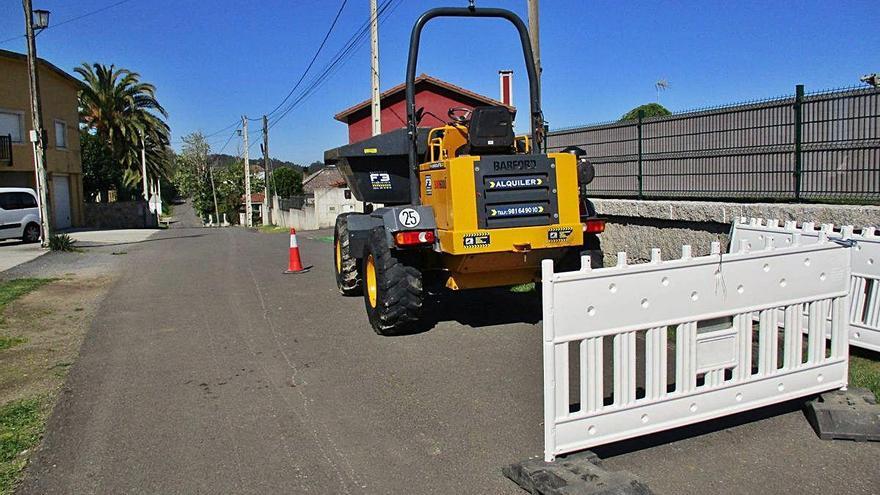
549 361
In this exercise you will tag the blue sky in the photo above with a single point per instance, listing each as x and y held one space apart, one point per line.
214 61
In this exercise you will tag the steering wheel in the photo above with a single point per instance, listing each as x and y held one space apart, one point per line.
465 116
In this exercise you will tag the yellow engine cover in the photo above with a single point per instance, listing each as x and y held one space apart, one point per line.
502 204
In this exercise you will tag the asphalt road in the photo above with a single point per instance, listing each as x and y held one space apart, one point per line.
207 370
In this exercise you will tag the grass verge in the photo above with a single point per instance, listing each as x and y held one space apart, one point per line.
7 342
21 425
271 229
864 372
529 287
13 289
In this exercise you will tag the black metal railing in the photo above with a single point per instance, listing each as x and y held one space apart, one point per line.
6 149
823 146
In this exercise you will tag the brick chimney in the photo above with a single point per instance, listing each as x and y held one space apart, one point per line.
505 78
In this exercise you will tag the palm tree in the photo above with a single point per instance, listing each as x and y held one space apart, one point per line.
126 116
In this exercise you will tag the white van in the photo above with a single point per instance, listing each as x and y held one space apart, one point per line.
19 215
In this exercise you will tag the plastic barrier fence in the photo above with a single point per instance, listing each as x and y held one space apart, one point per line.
635 349
864 311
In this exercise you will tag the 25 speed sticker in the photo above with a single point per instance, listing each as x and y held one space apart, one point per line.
559 235
476 240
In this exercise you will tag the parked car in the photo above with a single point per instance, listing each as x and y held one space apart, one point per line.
19 215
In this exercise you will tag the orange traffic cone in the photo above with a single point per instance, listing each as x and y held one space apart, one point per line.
294 264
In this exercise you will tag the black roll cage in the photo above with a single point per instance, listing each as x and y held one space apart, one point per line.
537 118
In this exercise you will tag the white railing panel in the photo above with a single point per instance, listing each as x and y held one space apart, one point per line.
672 291
695 314
864 310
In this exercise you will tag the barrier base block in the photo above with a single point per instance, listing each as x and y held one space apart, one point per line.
851 414
574 474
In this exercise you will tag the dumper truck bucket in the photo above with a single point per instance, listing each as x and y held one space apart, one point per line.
377 168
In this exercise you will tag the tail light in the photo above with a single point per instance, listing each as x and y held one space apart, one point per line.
414 237
594 226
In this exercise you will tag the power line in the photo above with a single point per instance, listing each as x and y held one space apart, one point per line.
312 62
230 126
357 39
226 143
299 81
87 14
343 55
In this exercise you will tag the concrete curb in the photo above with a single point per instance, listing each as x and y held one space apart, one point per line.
575 474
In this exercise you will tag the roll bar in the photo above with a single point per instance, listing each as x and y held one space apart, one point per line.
537 119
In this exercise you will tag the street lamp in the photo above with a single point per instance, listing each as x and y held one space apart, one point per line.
41 19
35 21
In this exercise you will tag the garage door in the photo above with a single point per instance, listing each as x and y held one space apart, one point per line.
61 201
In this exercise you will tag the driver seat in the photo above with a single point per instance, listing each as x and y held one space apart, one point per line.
490 131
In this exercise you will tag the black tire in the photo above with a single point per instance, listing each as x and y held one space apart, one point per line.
31 233
345 265
397 302
593 247
571 260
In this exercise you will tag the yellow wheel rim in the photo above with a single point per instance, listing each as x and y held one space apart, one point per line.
371 281
338 257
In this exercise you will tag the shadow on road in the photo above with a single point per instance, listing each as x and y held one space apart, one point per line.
93 244
478 308
698 429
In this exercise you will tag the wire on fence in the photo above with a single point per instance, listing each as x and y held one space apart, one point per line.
818 146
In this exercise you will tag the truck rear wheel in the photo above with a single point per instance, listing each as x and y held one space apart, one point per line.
571 260
392 287
348 279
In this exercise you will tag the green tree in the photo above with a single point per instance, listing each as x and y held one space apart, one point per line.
192 173
286 182
229 181
315 166
125 115
100 174
650 110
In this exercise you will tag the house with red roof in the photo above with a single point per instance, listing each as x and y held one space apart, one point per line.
435 95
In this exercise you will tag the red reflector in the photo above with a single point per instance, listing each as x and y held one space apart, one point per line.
594 226
414 237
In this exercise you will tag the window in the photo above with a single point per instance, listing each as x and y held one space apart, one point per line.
60 134
10 124
17 201
27 200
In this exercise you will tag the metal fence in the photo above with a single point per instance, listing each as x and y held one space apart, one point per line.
6 149
822 146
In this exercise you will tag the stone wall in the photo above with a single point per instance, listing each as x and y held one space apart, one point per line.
637 226
119 215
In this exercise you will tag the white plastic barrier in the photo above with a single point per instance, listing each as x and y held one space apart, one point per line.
680 343
864 311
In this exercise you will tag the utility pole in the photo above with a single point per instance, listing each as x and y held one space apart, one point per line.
374 67
144 167
266 171
248 220
159 194
535 36
213 190
38 134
